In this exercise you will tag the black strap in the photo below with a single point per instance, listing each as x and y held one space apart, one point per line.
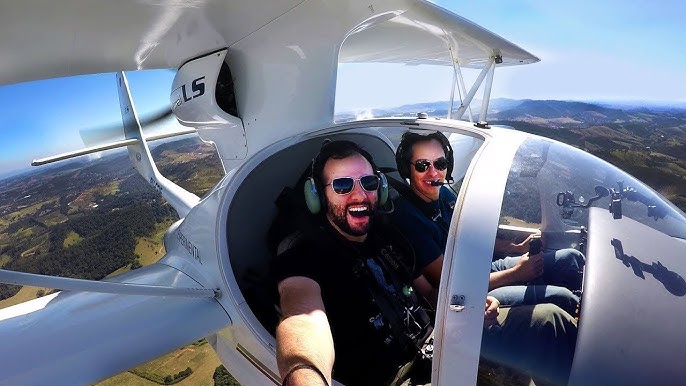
428 210
392 306
399 309
300 367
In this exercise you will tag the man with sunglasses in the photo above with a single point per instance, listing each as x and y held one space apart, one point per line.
347 282
536 338
424 211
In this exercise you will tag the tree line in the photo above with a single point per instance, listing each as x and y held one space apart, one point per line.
108 239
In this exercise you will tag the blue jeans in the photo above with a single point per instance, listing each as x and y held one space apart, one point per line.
561 272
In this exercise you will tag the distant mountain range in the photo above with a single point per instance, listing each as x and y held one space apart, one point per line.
508 109
647 139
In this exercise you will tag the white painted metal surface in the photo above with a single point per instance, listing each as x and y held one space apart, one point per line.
467 261
141 159
284 86
284 76
53 39
81 337
194 103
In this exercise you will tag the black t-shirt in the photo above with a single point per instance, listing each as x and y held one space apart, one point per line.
365 355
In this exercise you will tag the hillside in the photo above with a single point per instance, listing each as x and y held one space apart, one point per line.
59 219
96 219
646 140
649 143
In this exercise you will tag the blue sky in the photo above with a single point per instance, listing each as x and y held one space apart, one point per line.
589 50
44 117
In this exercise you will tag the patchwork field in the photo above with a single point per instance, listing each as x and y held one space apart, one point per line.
199 357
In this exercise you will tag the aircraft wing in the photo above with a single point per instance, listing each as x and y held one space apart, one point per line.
76 338
54 39
45 39
422 35
266 43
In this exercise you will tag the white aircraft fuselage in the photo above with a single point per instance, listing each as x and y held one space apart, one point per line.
283 58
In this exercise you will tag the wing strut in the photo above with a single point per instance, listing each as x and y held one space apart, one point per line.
71 284
488 69
459 81
139 154
107 146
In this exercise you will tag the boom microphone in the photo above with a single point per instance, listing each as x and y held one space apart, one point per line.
436 183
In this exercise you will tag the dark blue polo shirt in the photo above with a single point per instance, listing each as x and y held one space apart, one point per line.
425 224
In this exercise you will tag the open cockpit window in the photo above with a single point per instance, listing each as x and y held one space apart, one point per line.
258 202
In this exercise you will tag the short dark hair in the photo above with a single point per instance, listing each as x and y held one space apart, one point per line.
403 156
337 150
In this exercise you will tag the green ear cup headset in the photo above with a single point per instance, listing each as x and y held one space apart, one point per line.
314 203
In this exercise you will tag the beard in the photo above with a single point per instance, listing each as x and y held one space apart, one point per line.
339 216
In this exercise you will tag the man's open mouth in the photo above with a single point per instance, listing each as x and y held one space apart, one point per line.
359 210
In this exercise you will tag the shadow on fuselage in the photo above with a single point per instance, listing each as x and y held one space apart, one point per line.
672 281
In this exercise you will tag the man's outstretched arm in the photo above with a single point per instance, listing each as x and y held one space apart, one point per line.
303 337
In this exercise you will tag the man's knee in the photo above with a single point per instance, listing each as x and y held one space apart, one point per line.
565 269
552 319
563 297
570 258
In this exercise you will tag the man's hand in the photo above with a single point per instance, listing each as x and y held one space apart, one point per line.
523 247
491 312
529 267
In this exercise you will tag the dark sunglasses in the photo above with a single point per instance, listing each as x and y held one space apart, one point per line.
345 185
422 165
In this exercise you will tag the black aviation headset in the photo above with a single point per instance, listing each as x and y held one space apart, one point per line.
403 156
313 189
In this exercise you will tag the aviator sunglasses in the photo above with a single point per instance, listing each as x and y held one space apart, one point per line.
344 185
422 165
